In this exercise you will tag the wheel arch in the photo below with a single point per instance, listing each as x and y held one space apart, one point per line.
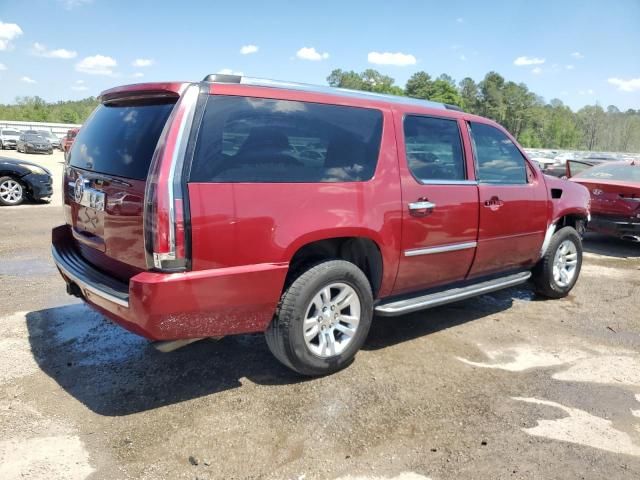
362 251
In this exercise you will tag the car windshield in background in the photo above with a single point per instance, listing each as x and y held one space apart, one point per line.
11 132
48 135
30 137
622 173
120 139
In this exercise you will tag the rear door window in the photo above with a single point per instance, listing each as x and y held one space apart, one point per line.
498 160
433 148
245 139
120 139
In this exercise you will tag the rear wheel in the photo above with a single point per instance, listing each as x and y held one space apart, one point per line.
11 191
323 319
557 272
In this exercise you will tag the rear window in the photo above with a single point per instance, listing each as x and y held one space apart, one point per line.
262 140
120 139
621 173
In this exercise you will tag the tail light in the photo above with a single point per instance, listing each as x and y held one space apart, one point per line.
165 201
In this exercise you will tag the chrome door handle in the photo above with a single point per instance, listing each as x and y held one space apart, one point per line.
421 207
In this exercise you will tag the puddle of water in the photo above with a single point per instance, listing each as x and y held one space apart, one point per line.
582 428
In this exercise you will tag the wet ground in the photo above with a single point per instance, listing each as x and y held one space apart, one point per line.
503 386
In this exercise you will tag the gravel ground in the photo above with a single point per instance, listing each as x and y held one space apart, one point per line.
502 386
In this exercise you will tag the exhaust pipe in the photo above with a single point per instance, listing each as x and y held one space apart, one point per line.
171 345
631 238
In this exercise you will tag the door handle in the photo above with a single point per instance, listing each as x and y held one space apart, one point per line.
421 208
494 203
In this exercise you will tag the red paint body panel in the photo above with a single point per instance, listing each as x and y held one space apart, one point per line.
243 235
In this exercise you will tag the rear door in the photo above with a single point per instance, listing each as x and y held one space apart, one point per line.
513 203
105 181
440 203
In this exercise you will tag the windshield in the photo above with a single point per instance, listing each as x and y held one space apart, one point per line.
31 136
10 132
623 173
47 134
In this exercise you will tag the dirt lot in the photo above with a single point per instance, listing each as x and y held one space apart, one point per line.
502 386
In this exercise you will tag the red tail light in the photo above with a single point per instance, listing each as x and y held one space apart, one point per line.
165 238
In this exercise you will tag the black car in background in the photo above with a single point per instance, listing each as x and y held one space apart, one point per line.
34 143
21 180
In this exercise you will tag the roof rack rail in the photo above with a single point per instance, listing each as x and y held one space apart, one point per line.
222 78
448 106
264 82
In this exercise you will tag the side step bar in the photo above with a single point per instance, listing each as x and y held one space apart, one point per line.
408 305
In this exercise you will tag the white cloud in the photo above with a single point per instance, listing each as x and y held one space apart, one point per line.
460 20
8 33
247 49
463 58
228 71
2 67
536 71
388 58
97 65
143 62
523 61
630 85
138 75
577 55
588 91
71 4
40 50
569 67
27 80
310 53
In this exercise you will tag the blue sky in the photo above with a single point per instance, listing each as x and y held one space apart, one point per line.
580 52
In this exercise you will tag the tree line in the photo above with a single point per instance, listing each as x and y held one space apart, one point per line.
35 109
527 116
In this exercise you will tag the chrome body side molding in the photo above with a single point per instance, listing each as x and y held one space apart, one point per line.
408 305
440 249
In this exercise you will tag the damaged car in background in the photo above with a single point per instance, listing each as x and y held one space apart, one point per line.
615 195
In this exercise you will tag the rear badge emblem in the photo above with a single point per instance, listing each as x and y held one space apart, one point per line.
88 197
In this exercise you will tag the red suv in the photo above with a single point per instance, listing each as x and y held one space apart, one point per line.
239 205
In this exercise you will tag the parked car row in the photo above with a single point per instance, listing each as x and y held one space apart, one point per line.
35 141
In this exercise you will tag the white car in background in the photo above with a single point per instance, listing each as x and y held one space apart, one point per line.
9 138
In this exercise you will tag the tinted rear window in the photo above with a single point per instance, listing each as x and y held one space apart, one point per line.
119 140
261 140
623 173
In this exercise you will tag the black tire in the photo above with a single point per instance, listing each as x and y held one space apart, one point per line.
12 203
543 274
285 335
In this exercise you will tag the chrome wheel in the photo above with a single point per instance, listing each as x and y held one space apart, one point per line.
331 320
565 262
11 192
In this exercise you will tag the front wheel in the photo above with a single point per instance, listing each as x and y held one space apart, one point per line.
323 319
557 271
11 191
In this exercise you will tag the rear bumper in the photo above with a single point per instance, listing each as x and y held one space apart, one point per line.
616 226
162 306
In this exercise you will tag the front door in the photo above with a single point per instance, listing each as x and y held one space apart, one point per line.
440 203
513 204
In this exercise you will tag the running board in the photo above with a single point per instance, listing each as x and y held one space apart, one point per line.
408 305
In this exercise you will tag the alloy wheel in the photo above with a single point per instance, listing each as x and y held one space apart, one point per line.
565 262
331 320
11 191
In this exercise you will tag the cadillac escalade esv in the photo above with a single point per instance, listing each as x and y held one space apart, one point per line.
238 205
